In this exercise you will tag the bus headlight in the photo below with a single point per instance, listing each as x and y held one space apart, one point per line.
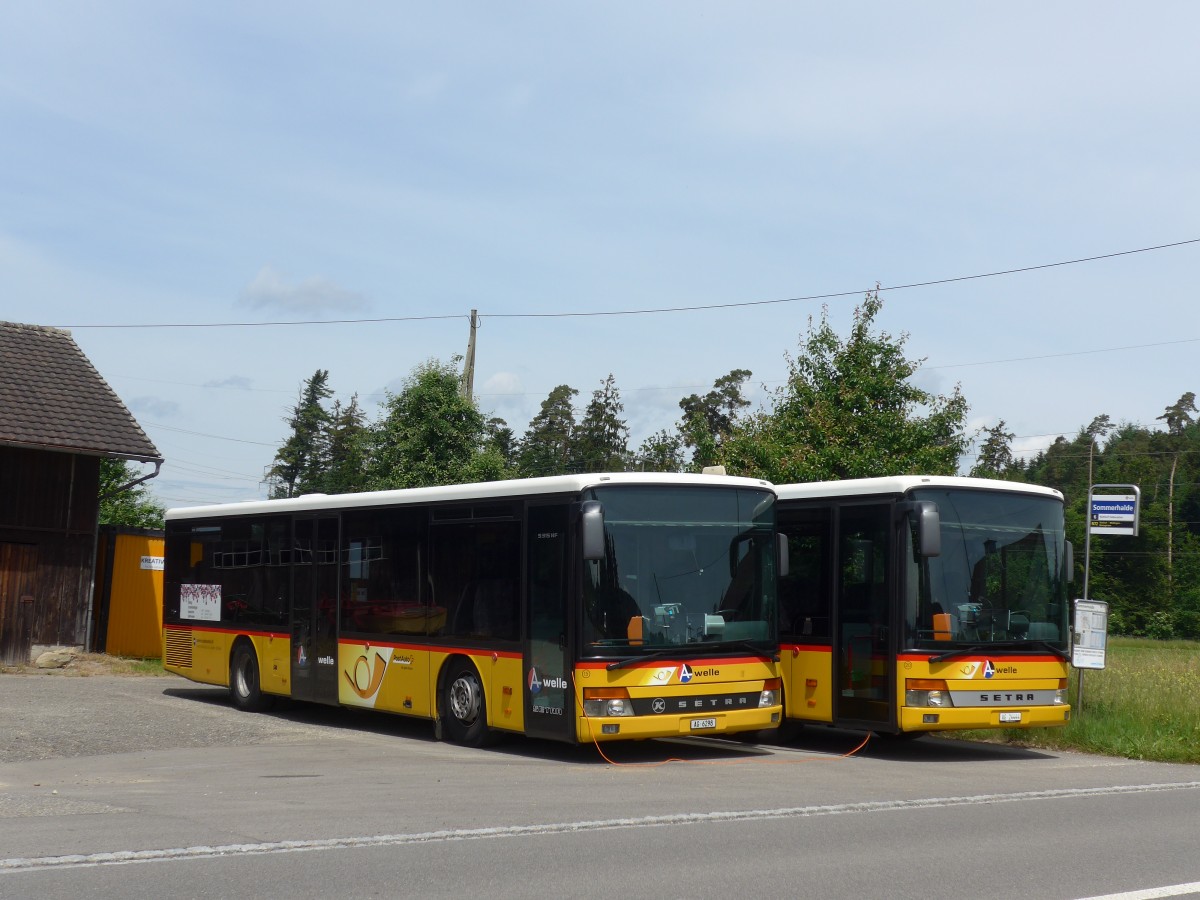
927 692
602 703
770 693
1060 694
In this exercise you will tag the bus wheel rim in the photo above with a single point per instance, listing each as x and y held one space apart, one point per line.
464 699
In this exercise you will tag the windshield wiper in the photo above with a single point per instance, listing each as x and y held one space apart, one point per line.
960 651
658 654
1046 645
992 648
685 650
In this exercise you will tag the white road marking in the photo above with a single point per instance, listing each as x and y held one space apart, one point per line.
1172 890
125 857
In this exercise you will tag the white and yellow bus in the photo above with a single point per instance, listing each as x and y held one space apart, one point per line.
917 604
577 608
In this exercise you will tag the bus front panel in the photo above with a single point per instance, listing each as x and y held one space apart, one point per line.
672 698
677 625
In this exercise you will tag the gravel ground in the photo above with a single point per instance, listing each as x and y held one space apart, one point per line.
80 711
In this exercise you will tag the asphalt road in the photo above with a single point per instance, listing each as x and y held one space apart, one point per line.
157 788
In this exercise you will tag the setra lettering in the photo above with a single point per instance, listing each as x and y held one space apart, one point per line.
1006 698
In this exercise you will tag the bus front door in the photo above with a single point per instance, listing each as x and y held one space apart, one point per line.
549 696
314 609
863 669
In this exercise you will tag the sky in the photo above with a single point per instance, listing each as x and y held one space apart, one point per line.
663 192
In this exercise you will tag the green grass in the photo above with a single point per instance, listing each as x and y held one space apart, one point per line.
104 664
147 667
1145 704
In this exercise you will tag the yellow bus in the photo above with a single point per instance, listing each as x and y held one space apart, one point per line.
576 608
918 604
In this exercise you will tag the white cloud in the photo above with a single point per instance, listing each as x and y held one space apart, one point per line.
503 394
154 406
270 290
238 382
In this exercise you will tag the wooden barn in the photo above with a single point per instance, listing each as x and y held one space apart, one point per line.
58 419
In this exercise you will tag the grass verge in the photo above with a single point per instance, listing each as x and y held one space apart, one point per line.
85 664
1145 704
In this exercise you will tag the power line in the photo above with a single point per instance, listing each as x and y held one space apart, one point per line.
667 309
993 362
202 434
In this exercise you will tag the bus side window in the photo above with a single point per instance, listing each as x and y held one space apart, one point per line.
804 593
480 565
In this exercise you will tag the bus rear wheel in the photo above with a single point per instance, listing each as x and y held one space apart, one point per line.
244 685
464 708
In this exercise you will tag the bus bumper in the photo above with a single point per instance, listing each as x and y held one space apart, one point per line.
982 717
700 724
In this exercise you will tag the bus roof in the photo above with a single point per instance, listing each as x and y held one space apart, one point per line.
488 490
902 484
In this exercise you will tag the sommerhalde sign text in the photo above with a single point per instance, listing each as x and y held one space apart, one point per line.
1114 514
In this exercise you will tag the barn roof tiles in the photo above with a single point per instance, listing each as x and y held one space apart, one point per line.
52 398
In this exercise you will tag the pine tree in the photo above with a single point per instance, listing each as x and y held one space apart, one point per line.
602 439
346 469
709 420
299 464
546 447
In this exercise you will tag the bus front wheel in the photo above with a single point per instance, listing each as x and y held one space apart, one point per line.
464 709
244 685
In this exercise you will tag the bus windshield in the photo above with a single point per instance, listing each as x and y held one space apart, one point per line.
681 567
1000 578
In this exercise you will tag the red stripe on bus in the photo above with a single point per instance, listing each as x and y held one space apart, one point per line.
662 663
805 648
215 630
440 648
283 635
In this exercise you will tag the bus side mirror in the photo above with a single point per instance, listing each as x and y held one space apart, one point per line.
784 560
929 525
591 526
1069 552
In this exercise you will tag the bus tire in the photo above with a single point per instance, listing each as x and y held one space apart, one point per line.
245 688
464 707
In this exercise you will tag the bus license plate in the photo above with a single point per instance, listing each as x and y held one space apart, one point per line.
700 724
1009 717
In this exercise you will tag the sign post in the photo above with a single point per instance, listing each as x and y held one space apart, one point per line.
1113 513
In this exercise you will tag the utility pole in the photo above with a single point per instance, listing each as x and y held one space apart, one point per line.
467 385
1171 525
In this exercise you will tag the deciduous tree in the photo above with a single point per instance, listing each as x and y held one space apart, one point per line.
849 409
429 434
133 507
995 453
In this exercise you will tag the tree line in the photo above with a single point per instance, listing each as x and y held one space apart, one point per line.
1151 582
847 409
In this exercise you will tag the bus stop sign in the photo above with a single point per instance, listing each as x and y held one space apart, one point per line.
1114 514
